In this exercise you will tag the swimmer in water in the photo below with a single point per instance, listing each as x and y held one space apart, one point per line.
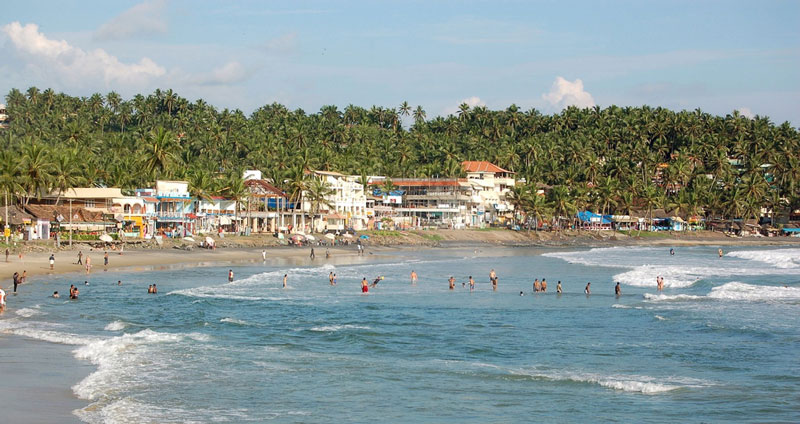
558 287
452 282
543 286
330 278
155 289
720 252
617 290
376 281
522 293
334 279
56 295
493 279
588 289
672 252
413 277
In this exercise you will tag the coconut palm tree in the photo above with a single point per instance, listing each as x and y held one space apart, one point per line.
318 193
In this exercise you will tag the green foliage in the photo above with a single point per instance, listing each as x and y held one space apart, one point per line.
607 160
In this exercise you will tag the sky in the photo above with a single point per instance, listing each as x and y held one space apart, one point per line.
718 56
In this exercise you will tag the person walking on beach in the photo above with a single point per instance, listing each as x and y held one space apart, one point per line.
558 287
452 282
312 256
617 290
88 264
105 259
327 253
588 289
7 253
80 257
264 255
230 275
364 285
24 277
413 277
543 286
52 261
285 277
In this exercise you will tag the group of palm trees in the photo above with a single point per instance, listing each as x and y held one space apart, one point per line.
607 160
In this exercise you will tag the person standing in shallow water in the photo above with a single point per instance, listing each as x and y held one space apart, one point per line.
558 287
588 289
285 277
452 282
544 285
230 275
617 290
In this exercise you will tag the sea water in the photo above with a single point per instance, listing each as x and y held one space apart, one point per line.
721 343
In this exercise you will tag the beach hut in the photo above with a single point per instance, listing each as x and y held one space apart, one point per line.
593 221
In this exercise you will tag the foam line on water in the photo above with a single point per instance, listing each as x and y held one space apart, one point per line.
626 383
779 258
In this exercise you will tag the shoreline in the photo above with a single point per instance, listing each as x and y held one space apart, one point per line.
237 250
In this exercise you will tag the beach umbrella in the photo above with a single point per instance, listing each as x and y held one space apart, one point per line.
365 237
189 239
310 237
210 241
330 236
297 237
106 238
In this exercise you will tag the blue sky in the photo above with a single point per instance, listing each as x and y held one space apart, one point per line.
714 55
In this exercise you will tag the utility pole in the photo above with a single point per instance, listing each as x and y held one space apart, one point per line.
70 222
6 227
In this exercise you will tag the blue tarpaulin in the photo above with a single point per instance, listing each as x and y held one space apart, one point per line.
591 217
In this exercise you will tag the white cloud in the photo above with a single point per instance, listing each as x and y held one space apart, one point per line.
746 112
146 18
58 61
285 44
565 93
229 73
472 102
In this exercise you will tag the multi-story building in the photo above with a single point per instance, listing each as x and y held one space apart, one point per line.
491 183
347 205
174 208
417 202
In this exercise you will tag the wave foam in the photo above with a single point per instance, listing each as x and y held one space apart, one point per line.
780 258
234 321
671 298
625 383
116 326
750 292
28 312
331 328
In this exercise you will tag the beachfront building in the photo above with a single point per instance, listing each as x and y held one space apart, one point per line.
491 184
3 117
216 214
427 202
265 202
346 206
174 208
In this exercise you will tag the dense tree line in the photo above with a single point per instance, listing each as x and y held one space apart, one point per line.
613 159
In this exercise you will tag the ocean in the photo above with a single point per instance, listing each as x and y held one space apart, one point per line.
721 343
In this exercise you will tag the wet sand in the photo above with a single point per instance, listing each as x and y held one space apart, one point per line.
36 379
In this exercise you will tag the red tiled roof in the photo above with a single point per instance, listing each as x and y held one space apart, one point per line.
482 166
264 187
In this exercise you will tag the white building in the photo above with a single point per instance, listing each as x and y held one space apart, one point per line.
348 203
491 184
